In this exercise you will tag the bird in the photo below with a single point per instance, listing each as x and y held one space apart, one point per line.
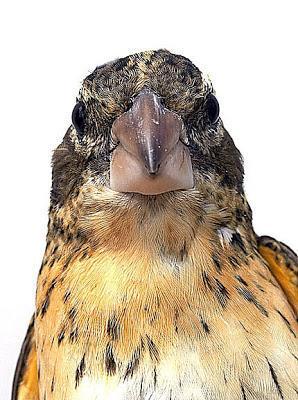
154 284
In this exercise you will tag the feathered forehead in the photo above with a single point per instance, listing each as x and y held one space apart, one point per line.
172 77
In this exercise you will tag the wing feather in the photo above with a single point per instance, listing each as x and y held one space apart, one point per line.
283 263
25 383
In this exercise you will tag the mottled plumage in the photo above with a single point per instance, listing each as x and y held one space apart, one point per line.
164 297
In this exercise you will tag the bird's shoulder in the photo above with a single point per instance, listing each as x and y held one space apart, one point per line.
283 264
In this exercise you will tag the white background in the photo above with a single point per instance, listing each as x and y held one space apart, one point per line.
249 48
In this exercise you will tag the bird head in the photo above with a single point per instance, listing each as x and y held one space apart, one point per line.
146 127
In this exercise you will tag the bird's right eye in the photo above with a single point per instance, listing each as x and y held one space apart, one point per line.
79 119
212 108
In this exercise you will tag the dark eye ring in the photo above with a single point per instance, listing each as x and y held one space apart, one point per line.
212 108
79 118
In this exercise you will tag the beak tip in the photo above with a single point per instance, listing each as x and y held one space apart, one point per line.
152 162
153 168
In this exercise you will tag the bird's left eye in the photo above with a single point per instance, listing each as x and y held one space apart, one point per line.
212 108
79 118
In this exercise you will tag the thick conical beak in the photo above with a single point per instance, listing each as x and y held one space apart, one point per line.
150 157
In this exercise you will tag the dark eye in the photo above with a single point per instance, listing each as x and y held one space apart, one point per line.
212 108
79 118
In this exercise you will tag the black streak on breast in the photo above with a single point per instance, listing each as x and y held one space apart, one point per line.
80 371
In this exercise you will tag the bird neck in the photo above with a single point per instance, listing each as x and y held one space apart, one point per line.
119 246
